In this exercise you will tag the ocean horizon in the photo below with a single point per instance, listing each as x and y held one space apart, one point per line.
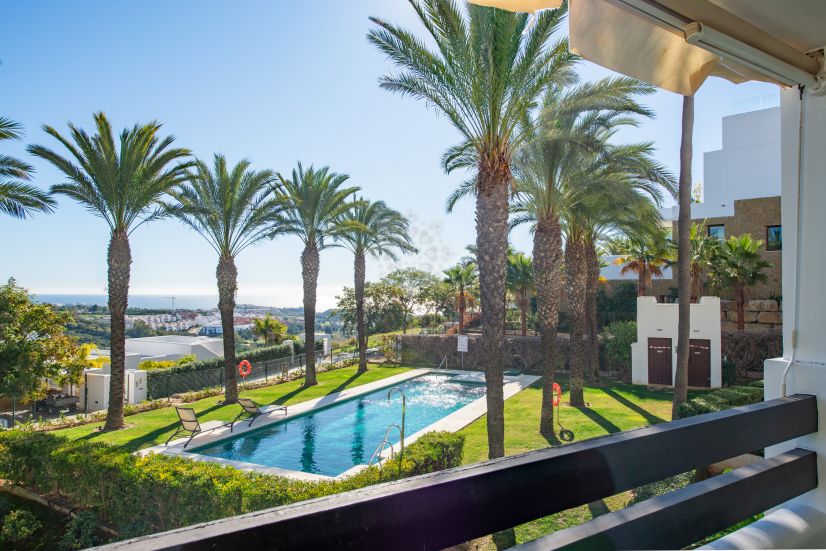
182 302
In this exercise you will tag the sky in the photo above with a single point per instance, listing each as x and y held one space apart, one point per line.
274 82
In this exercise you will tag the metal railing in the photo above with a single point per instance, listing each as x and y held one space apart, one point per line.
443 509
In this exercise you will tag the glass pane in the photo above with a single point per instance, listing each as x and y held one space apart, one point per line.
774 238
717 231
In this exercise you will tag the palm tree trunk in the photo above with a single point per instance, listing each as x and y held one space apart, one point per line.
592 352
523 311
576 280
684 258
547 258
641 284
358 285
119 260
462 308
309 273
227 276
492 243
740 301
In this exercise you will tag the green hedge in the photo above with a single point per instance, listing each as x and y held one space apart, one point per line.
141 495
724 398
257 355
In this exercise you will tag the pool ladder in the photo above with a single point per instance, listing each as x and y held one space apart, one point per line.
443 363
380 449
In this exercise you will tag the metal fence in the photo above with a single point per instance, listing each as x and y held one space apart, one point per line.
162 384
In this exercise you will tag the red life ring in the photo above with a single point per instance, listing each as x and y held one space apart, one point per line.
557 390
244 368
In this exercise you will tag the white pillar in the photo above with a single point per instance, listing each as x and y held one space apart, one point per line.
804 266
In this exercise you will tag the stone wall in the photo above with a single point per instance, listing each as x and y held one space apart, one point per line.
523 353
761 316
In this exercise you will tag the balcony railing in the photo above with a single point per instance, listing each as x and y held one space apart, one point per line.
450 507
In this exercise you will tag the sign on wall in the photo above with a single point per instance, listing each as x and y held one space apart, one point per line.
461 343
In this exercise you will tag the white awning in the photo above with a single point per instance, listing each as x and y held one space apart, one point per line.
676 44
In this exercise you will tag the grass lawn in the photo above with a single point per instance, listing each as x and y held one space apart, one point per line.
154 427
611 408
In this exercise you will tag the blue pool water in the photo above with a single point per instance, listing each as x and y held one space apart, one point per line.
331 440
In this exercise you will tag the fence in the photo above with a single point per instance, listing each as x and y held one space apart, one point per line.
162 384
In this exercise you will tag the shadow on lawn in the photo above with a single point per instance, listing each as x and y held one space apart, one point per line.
650 418
150 438
292 394
606 425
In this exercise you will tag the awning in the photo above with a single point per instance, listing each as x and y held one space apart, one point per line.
675 44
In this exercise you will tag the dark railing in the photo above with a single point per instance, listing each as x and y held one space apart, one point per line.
438 510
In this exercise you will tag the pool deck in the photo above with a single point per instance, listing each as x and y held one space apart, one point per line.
214 431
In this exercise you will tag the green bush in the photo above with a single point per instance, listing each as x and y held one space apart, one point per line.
618 338
81 532
724 398
145 494
150 365
662 487
19 526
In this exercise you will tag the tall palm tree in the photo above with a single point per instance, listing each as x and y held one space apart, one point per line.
704 249
18 198
646 253
683 254
377 230
123 181
485 74
315 208
232 209
738 266
520 282
461 277
554 182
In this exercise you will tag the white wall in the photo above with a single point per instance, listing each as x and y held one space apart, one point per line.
807 313
659 321
203 348
747 167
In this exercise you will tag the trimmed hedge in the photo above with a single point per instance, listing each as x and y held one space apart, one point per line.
257 355
724 398
144 494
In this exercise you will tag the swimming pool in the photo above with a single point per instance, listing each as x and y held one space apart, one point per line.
331 440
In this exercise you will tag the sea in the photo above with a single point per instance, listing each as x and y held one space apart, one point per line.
183 302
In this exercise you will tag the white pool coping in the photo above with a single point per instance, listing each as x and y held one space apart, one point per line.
215 431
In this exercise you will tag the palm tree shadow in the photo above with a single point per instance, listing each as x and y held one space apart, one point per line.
552 439
650 418
606 425
346 383
598 508
153 437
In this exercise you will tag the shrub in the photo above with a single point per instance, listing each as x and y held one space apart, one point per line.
145 494
81 532
618 338
662 487
19 526
725 398
150 365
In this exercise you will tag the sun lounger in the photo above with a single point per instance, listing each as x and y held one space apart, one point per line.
252 411
189 423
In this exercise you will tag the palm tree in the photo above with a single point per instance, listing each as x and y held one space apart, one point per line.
17 198
646 253
520 282
315 208
683 254
123 182
461 277
555 177
485 75
270 329
738 266
232 209
376 230
704 250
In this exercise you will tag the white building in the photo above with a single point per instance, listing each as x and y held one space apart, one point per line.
654 355
747 167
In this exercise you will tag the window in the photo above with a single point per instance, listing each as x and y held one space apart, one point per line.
774 238
718 231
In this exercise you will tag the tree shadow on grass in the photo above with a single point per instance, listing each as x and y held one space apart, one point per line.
346 383
649 417
606 425
598 508
153 437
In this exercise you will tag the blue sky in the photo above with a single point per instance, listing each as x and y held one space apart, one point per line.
271 81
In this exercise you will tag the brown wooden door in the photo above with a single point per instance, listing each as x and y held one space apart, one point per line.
699 363
659 361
